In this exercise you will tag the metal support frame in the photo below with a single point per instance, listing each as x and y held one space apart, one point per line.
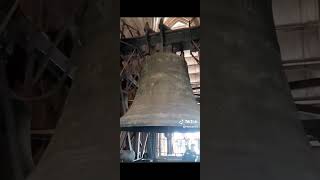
136 142
124 103
195 45
129 28
169 143
122 36
124 67
197 60
129 141
122 98
132 81
137 145
144 144
123 136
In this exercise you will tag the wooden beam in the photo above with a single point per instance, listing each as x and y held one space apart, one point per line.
43 132
308 108
39 41
314 82
304 60
180 38
301 63
302 66
310 98
297 26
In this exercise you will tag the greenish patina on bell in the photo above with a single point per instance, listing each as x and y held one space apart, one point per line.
164 100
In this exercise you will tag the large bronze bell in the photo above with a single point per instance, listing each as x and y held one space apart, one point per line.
164 101
254 133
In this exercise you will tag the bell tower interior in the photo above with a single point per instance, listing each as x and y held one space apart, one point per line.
160 89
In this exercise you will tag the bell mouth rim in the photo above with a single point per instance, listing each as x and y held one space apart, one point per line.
160 129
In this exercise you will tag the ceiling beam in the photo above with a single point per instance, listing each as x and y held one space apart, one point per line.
42 131
304 66
300 63
311 99
178 39
308 108
306 83
304 60
297 26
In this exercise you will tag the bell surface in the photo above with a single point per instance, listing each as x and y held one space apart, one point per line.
80 147
254 131
164 101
